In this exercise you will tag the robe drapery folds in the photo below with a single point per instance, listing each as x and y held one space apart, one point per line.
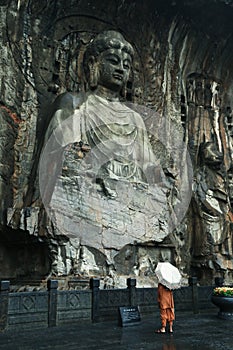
166 305
100 181
117 137
165 297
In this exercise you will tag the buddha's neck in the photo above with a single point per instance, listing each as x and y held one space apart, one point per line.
104 92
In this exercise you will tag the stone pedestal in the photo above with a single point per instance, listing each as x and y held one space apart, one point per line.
225 305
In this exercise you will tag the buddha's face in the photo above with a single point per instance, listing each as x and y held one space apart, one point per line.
114 68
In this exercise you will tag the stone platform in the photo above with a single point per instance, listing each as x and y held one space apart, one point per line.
200 331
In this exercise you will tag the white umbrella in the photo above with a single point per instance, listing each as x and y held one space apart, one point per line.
168 275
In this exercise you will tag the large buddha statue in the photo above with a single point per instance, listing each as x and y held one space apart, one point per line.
97 155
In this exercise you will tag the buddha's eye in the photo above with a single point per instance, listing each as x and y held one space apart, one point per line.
113 59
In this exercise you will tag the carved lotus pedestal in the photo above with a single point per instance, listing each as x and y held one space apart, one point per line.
225 305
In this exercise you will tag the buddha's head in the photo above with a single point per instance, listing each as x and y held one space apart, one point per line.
108 60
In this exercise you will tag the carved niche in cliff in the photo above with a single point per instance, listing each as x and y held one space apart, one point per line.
209 128
107 186
48 43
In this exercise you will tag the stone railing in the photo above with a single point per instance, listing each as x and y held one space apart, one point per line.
54 307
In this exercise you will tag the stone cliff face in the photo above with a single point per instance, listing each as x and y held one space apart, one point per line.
182 71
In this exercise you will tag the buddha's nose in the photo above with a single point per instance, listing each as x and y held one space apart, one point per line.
119 70
120 67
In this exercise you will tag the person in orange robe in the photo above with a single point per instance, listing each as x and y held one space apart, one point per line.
166 306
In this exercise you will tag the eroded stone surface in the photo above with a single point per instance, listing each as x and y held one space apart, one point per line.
182 69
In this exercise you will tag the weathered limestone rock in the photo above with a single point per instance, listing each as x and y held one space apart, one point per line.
182 70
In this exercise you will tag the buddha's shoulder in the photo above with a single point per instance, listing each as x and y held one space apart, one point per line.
68 100
62 108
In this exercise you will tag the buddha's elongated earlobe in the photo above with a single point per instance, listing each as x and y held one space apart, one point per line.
93 73
124 91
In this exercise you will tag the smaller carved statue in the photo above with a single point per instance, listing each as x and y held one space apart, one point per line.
207 95
191 91
216 101
199 93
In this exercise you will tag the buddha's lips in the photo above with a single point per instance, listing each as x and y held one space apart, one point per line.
118 76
